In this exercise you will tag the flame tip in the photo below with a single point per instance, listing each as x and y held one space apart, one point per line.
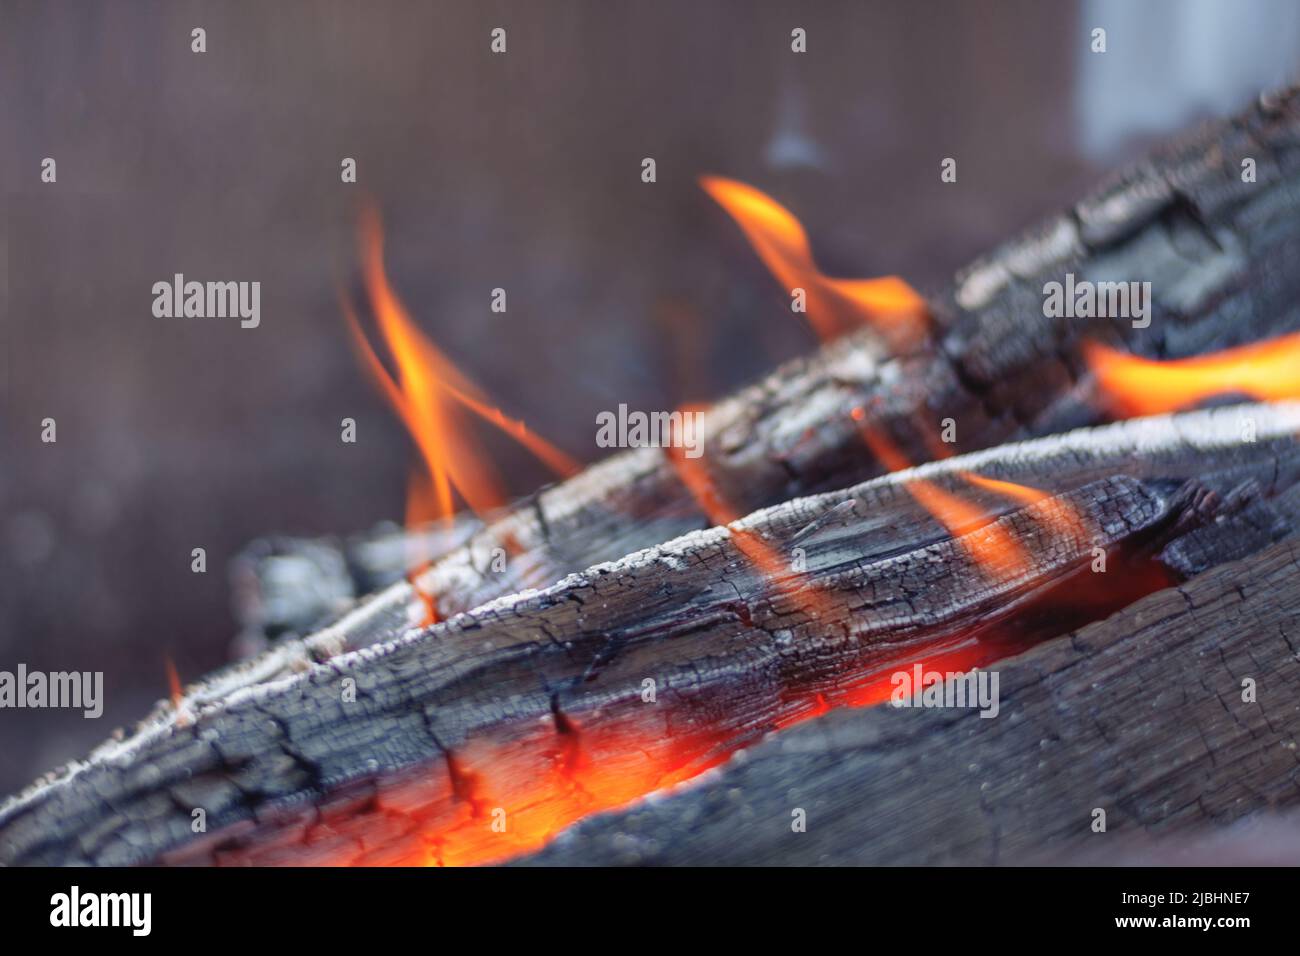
781 242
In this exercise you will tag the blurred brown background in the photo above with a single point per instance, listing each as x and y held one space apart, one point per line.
519 170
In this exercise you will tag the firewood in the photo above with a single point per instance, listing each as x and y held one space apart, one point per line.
1144 716
1218 252
290 585
535 705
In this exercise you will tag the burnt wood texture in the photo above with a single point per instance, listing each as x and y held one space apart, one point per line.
1220 254
1141 716
737 642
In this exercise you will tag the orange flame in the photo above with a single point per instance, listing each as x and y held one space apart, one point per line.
888 303
1266 371
428 394
1047 508
1022 493
769 561
176 693
958 516
173 682
990 545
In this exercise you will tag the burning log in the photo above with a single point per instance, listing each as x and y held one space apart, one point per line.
483 736
285 585
1144 716
1219 255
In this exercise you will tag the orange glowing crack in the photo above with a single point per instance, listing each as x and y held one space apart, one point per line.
500 797
1265 371
889 304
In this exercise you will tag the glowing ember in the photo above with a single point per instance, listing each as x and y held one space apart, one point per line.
513 790
888 303
1266 371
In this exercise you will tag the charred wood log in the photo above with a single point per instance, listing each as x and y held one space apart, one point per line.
1144 716
535 705
1219 254
286 585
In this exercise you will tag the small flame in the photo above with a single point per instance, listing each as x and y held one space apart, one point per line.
721 512
1265 371
888 303
1047 508
766 558
1022 493
990 545
994 550
173 683
176 693
428 395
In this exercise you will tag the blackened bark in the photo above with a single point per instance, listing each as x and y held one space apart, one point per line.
740 633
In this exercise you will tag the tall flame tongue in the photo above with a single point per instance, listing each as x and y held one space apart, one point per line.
889 304
429 395
1266 371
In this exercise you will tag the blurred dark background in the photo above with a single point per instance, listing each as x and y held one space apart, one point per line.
519 170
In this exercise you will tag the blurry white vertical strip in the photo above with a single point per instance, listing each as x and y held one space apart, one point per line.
1168 62
791 146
